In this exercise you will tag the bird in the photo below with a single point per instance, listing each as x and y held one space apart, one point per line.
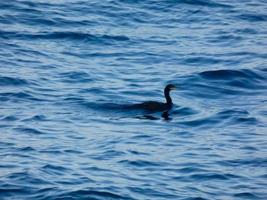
154 106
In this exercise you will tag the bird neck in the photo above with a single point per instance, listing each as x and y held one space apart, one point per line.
167 96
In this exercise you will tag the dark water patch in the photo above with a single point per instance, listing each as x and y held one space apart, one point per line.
10 81
195 198
6 144
250 148
225 38
138 152
232 74
246 195
10 191
8 166
246 31
92 194
29 131
92 55
9 118
259 162
26 149
209 3
141 163
201 60
253 17
72 151
192 3
18 96
35 118
142 137
247 120
192 169
75 77
72 36
209 176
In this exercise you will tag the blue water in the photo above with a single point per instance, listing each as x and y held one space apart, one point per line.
67 68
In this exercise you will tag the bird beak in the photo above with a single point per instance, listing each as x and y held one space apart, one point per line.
173 88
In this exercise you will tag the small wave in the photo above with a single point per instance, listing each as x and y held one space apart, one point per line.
64 35
10 81
253 162
218 83
54 169
201 123
27 149
9 118
8 96
35 118
208 177
207 3
141 163
75 77
195 198
29 131
253 17
231 74
201 59
246 195
92 194
223 118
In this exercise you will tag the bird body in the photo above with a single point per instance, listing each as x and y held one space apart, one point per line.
154 106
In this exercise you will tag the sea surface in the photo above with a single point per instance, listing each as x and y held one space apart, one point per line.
69 67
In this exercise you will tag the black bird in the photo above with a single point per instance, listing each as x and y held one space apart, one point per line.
154 106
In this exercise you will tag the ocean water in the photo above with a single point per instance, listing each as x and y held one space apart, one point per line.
67 68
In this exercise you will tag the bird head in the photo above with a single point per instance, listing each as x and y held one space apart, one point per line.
170 87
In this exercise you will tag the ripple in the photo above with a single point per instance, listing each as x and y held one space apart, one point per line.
54 169
209 3
253 17
29 131
10 81
232 74
246 195
76 36
220 83
92 194
21 96
140 163
75 77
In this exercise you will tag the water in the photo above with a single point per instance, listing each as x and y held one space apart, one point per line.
68 67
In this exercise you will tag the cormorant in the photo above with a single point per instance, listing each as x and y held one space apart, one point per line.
154 106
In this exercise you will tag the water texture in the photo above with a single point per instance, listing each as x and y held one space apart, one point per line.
67 68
